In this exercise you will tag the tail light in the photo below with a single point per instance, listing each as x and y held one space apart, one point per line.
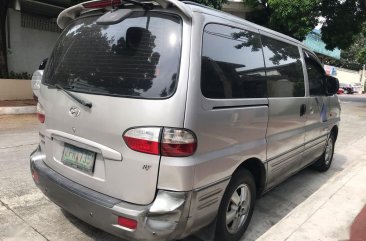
173 142
178 142
40 113
101 4
144 139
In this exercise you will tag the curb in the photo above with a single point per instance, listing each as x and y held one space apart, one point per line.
18 110
293 222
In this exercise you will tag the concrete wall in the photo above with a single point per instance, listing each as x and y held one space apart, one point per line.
14 89
236 7
28 47
347 76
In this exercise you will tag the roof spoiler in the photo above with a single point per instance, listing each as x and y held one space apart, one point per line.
73 12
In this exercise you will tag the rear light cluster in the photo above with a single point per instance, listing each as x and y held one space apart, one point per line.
173 142
40 113
101 4
127 223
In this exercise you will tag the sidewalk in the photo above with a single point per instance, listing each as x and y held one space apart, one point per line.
13 107
336 211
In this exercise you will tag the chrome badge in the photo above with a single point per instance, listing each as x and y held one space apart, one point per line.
74 111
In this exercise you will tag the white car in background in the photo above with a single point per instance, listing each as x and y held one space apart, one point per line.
37 78
357 88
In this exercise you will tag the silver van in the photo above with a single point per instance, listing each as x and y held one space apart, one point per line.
161 118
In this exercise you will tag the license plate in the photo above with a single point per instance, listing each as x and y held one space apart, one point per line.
78 158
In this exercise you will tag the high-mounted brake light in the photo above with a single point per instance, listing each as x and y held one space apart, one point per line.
40 113
173 142
102 4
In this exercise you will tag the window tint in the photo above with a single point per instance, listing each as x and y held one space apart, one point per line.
232 63
138 57
283 69
315 75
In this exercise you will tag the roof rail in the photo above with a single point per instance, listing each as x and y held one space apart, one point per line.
73 12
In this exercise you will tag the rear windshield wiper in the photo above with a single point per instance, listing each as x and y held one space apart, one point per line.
79 100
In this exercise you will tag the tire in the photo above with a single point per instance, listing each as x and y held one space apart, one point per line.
323 164
237 206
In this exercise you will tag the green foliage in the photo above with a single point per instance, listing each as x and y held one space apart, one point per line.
361 56
353 57
344 20
13 75
212 3
296 18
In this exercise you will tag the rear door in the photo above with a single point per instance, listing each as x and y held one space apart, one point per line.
129 72
287 107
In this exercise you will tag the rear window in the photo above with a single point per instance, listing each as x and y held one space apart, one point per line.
138 57
232 63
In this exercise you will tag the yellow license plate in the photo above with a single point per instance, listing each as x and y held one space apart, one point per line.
78 158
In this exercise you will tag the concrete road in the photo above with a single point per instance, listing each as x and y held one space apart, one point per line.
25 214
352 98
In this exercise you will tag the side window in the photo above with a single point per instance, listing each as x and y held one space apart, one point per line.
283 68
232 63
315 75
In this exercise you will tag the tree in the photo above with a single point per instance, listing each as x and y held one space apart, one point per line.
212 3
342 19
355 56
4 4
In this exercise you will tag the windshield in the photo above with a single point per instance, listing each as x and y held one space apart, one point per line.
138 57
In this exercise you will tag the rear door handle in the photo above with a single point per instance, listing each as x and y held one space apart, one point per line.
302 109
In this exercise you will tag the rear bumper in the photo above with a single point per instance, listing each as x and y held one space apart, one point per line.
166 218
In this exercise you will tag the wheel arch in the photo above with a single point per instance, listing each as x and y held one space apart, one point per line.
257 169
334 131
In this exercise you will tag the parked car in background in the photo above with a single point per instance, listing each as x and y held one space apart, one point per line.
340 91
347 88
37 78
357 88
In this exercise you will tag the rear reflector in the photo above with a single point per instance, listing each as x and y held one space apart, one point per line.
40 113
127 223
101 4
35 176
144 139
174 142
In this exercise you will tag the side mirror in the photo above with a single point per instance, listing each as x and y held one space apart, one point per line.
331 85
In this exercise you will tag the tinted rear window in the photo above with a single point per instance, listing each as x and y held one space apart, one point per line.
138 57
232 63
283 68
